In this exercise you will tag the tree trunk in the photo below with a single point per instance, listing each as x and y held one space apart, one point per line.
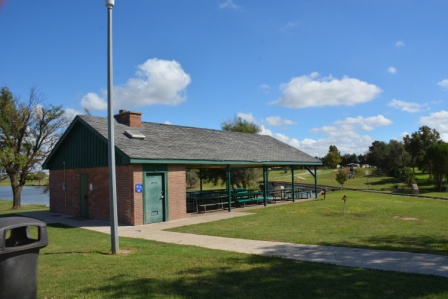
16 193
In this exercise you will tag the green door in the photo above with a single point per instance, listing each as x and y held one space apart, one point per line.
154 198
84 196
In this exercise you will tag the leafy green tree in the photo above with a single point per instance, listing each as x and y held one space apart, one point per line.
396 159
418 142
333 158
28 131
192 177
341 177
376 154
241 177
237 124
437 156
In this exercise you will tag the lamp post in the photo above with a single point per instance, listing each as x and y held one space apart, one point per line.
111 135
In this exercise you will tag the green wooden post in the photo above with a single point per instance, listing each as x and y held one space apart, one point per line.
265 185
315 180
229 192
293 185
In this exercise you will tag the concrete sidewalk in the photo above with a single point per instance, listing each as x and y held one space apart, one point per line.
427 264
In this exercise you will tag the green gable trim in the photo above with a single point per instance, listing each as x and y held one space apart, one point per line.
81 147
204 162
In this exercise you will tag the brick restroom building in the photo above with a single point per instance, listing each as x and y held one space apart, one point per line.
151 163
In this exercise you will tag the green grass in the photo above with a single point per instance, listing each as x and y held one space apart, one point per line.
76 264
6 205
375 221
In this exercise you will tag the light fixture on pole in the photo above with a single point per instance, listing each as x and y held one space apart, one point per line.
111 135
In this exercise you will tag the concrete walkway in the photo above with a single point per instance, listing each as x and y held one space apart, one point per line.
427 264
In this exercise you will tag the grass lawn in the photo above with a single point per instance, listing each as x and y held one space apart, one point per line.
76 264
375 221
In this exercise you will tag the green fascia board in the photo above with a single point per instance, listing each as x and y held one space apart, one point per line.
191 162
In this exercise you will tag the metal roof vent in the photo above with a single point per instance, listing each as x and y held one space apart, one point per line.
134 134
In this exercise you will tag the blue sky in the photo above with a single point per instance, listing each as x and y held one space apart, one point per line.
312 73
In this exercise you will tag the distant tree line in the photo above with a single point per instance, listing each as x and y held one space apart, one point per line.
422 149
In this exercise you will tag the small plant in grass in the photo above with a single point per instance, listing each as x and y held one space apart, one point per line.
341 177
344 198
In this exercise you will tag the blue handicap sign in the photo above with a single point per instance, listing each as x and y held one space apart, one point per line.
138 188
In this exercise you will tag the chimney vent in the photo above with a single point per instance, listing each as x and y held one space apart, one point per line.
129 118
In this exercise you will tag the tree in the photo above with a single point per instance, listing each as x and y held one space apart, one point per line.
237 124
341 177
192 177
333 158
418 142
28 132
437 156
376 154
241 177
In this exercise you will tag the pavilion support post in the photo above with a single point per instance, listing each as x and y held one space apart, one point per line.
200 180
265 185
228 188
293 184
314 174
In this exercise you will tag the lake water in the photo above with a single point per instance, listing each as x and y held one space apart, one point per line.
30 195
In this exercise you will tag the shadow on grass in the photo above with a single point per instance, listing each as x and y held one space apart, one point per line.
265 277
420 244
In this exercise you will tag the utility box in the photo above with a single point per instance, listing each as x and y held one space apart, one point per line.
21 238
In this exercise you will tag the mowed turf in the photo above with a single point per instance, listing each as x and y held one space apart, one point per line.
375 221
77 264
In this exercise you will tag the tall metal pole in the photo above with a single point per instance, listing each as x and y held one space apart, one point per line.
111 135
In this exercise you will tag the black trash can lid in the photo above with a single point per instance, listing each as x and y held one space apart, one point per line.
14 234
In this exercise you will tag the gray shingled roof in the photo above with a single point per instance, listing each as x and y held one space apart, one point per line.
170 142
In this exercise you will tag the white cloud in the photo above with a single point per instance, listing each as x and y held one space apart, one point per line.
400 44
156 81
278 121
392 70
70 113
92 101
443 83
405 106
247 117
438 121
343 133
365 124
315 91
228 4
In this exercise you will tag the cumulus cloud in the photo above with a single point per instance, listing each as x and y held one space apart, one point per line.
70 113
443 83
438 121
346 134
156 81
400 44
316 91
405 106
93 101
278 121
247 117
228 4
392 70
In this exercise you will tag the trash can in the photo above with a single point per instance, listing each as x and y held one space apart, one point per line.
21 238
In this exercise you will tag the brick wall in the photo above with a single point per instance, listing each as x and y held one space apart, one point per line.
129 203
138 197
177 186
